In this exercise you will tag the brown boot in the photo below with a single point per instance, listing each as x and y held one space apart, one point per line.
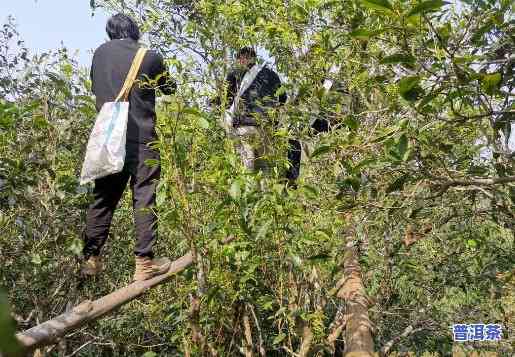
147 268
92 266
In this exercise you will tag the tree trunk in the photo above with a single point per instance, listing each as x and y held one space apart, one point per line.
358 336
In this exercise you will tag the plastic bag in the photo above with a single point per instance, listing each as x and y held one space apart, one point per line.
105 153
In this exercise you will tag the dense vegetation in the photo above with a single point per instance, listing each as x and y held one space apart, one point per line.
415 173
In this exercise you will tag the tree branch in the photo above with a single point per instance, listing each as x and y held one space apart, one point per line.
358 335
447 183
407 331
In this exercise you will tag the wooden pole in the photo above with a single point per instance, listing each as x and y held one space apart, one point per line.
46 333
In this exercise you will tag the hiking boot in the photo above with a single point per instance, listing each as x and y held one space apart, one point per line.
92 266
147 268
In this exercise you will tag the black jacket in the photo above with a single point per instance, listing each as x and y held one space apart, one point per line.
111 63
260 95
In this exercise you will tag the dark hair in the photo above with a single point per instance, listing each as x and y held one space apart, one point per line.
121 26
248 52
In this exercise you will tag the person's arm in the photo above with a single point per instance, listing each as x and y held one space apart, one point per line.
91 74
164 82
276 84
282 97
232 87
230 84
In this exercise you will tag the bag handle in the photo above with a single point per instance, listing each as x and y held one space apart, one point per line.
131 76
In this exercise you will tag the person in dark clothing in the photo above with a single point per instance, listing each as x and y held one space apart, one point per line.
320 125
252 109
260 95
294 159
110 66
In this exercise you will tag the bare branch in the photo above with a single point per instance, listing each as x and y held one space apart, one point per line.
407 331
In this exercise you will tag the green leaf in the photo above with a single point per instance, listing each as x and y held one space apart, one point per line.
6 122
280 91
427 100
67 70
152 162
397 184
76 247
409 88
385 135
321 150
192 111
263 229
471 243
427 6
489 82
408 83
8 342
311 191
320 256
363 34
203 123
382 5
36 259
279 338
235 191
349 182
402 147
351 122
399 58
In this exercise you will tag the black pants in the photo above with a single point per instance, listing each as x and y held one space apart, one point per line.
108 191
294 157
295 149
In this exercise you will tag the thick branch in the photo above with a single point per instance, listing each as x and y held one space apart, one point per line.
247 341
446 183
481 181
358 335
336 329
307 339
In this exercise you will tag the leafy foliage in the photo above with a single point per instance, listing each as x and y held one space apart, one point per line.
421 90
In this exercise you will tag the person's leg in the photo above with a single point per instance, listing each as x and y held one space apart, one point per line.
246 146
247 154
107 193
144 180
320 126
294 158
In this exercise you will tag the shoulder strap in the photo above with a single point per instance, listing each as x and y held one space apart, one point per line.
131 76
247 80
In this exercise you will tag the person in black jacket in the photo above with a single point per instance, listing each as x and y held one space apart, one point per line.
251 112
260 95
111 63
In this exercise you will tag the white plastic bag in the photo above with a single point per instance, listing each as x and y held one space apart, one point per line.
105 154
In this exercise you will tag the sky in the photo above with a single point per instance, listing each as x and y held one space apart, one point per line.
45 24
